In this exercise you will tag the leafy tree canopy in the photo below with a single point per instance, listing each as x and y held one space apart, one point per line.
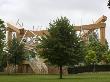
2 41
61 46
90 57
95 45
16 52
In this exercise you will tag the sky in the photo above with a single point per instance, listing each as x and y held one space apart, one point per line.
39 13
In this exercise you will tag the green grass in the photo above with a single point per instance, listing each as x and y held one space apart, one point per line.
84 77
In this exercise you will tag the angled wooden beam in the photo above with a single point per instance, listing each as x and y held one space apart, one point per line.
102 29
13 28
101 19
37 33
99 24
41 33
29 34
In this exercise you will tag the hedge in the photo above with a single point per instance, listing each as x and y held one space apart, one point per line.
89 68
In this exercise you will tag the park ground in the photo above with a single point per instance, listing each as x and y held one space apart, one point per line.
83 77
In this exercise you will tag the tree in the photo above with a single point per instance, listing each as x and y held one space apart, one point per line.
61 46
90 57
95 45
2 40
106 57
29 54
16 52
108 4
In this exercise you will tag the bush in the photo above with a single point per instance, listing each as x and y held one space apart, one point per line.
89 68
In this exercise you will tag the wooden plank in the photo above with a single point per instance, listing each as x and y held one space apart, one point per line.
90 26
9 37
15 29
101 19
77 28
102 35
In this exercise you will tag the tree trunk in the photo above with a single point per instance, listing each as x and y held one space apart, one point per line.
61 72
93 67
15 64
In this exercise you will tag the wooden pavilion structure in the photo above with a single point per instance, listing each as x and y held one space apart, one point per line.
22 33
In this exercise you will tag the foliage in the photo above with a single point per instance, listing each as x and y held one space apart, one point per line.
95 45
61 46
2 41
90 57
29 54
89 69
106 57
16 52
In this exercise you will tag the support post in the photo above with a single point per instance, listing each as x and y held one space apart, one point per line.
102 35
9 37
18 36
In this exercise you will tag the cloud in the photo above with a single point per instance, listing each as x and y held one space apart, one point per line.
41 12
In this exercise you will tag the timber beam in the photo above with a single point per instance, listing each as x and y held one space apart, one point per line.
77 28
99 24
90 26
13 28
101 19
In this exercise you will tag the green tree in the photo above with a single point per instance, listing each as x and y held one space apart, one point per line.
16 52
95 45
90 57
106 57
2 41
29 54
61 46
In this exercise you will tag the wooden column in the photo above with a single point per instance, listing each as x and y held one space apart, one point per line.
18 36
102 35
9 37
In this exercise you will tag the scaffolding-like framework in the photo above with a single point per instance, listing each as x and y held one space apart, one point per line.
29 36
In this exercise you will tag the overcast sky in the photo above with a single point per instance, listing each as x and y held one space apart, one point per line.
40 12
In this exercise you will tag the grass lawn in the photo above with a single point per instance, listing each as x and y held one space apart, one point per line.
84 77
